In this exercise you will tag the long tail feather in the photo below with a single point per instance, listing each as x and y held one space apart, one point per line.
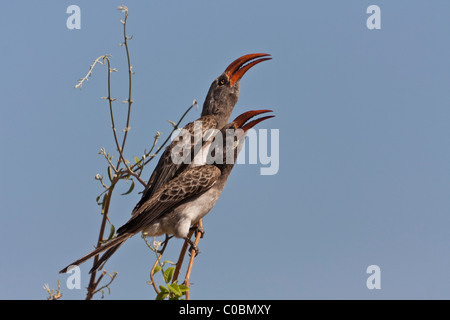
99 264
113 244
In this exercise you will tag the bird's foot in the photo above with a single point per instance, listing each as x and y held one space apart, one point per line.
164 244
193 246
197 230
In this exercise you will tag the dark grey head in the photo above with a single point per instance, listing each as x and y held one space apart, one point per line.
224 91
231 139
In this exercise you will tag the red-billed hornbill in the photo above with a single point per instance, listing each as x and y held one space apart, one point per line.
185 199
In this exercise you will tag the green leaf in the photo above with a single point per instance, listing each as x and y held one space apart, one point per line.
168 274
169 262
183 288
110 174
112 232
175 289
129 190
104 203
157 269
136 159
162 295
163 289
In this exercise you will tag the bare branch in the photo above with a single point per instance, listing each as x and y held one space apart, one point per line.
85 78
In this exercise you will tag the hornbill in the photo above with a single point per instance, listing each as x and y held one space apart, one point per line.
185 199
222 96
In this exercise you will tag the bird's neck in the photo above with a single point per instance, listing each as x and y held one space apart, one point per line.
226 170
220 113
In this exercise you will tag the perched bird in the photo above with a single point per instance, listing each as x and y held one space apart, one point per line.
219 103
185 199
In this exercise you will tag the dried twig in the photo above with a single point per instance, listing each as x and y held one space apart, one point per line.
116 173
158 260
106 286
51 295
181 257
191 260
92 283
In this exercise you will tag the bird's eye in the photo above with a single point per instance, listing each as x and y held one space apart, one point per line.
222 82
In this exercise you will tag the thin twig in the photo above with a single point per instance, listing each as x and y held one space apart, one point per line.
108 158
113 125
181 257
141 161
51 295
85 78
150 157
92 283
191 260
130 72
157 262
152 272
106 285
134 170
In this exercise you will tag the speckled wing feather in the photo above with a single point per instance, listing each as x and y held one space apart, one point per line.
166 169
189 183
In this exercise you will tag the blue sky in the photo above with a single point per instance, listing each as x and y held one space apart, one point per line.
363 117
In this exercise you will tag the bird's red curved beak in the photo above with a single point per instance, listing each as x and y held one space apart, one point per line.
240 66
241 120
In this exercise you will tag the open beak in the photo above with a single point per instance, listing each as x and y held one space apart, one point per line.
240 66
240 121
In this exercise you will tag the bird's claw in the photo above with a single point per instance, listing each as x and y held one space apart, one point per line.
197 230
164 244
193 247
